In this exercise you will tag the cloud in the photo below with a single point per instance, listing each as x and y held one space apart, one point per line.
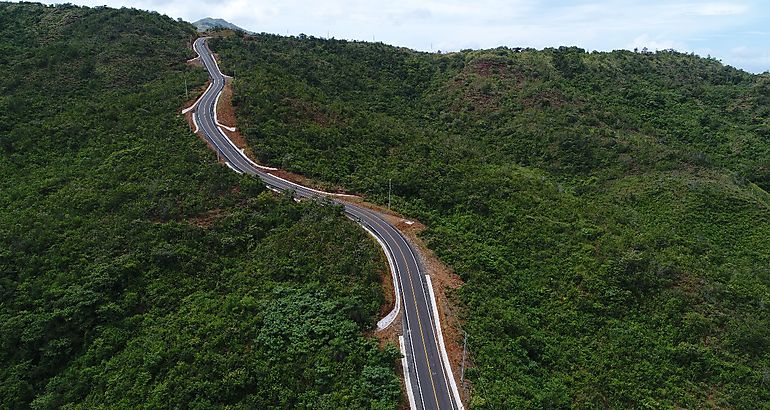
721 26
754 59
646 41
720 9
743 52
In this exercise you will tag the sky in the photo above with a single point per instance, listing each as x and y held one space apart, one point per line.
735 32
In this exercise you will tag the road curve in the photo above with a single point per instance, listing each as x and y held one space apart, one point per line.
429 373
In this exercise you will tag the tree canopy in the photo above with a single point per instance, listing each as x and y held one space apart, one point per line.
135 271
608 211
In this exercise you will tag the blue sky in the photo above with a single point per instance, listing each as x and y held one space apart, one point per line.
735 32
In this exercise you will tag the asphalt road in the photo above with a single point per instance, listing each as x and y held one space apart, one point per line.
429 378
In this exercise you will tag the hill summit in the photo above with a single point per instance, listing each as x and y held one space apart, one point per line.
208 23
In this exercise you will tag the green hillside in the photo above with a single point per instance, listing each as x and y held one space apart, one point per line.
135 271
608 212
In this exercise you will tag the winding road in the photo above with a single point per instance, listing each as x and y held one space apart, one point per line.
428 370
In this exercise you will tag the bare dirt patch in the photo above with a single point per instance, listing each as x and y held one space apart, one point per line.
225 110
194 95
226 116
206 219
486 68
546 99
497 69
482 84
195 62
308 111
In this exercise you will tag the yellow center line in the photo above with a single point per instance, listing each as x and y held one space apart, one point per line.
419 322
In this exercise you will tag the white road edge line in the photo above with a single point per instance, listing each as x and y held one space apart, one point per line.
385 322
231 167
188 109
374 216
213 57
362 211
409 392
244 154
444 356
432 318
308 188
216 104
216 108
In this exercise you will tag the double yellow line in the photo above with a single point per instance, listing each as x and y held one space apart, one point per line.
414 298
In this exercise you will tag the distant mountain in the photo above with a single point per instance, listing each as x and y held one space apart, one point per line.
208 23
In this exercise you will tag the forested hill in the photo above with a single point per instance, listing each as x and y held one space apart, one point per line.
208 23
135 271
608 211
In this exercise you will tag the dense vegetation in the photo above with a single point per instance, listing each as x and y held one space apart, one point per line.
608 211
136 272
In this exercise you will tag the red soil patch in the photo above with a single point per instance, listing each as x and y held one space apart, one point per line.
206 219
481 85
552 98
195 62
308 111
226 116
485 68
194 95
498 69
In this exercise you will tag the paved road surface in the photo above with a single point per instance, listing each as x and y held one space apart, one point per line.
428 376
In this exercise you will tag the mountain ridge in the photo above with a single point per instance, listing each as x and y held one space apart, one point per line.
209 23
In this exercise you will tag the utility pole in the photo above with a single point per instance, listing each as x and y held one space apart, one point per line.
390 188
186 93
462 366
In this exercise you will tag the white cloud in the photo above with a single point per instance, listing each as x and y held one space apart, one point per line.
742 52
652 44
720 9
685 25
